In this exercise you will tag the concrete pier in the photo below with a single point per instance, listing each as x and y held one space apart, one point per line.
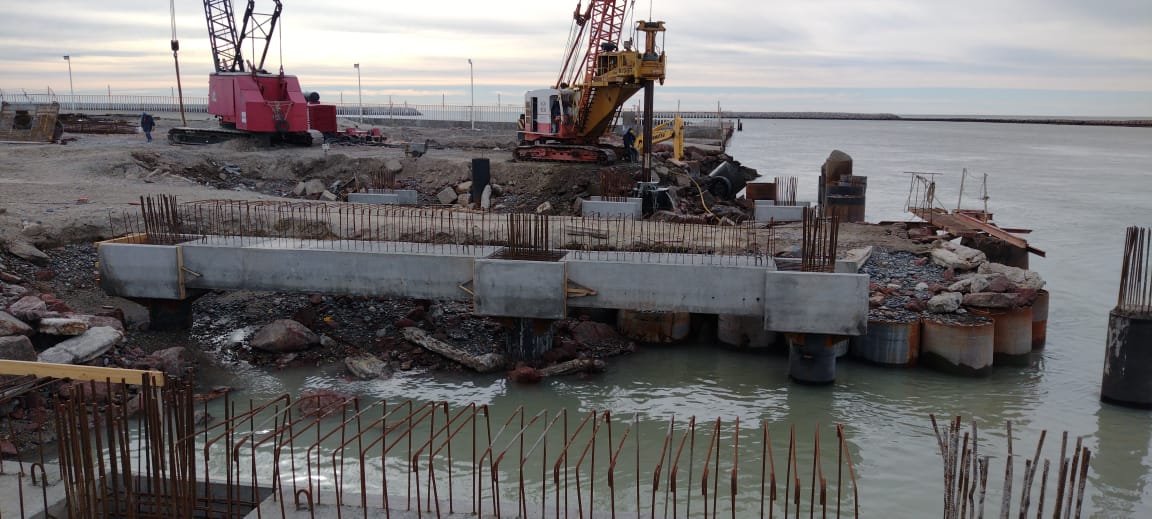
497 284
1128 360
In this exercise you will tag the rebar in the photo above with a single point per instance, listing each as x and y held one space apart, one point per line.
818 248
786 191
1136 273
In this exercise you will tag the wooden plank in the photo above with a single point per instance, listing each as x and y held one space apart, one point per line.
78 372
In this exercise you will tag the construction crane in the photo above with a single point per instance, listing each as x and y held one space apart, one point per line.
600 73
247 99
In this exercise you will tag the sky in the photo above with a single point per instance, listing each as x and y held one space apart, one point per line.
978 57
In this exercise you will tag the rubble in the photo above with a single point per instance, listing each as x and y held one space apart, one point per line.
367 367
284 336
83 348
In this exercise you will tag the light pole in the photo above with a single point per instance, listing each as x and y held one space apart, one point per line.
71 92
472 89
359 92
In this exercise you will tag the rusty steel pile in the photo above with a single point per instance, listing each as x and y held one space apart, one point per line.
154 452
966 475
363 227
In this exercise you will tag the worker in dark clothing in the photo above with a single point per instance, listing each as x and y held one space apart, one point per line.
630 146
146 124
555 110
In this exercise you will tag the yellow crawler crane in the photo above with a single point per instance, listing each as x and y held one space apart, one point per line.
566 122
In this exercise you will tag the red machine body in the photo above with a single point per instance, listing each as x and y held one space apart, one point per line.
258 103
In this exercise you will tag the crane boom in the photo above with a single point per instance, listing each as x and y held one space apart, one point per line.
227 42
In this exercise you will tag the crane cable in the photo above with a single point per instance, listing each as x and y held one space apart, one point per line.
176 59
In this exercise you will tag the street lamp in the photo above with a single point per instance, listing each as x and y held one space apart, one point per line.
360 92
71 91
472 87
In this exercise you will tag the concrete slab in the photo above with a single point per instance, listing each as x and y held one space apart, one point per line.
14 484
816 302
628 208
518 288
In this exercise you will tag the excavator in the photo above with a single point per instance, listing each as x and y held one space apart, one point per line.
600 73
248 100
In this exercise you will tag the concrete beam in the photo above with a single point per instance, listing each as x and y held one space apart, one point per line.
138 270
629 208
768 210
385 197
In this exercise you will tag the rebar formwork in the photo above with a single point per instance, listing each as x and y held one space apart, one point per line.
364 227
153 455
818 249
1135 296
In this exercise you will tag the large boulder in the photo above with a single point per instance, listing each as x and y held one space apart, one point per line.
63 326
28 308
314 187
945 303
284 336
27 251
1018 277
592 332
10 325
174 361
957 257
367 367
83 348
992 300
17 347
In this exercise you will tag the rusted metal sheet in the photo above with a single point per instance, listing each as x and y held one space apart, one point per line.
1013 332
1040 320
965 348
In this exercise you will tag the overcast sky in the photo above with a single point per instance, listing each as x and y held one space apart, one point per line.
1016 57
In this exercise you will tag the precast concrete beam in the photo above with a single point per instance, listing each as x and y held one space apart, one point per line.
140 270
670 287
627 208
816 302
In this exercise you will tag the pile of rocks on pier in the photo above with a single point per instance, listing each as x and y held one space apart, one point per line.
950 279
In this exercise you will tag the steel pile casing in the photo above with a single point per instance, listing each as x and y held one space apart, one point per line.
889 343
959 348
1128 360
654 326
1013 332
812 357
1040 320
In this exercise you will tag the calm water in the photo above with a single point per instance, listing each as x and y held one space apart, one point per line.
1077 187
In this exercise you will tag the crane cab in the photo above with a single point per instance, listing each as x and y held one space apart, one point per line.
548 114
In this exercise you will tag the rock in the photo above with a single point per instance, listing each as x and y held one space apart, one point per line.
9 277
321 402
524 375
997 283
464 199
93 321
950 260
174 362
10 325
393 166
27 251
945 303
28 308
63 326
921 286
446 195
876 300
497 189
464 187
591 332
83 348
991 300
300 188
969 285
486 197
1019 277
367 367
284 336
314 187
328 196
915 305
544 208
45 275
17 347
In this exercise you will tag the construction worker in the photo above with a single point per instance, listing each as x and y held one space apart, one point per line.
555 112
146 124
630 146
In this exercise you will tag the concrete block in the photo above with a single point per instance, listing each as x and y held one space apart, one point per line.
816 302
384 197
517 288
134 270
768 210
447 195
650 286
629 208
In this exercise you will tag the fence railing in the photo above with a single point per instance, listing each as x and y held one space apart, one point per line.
371 112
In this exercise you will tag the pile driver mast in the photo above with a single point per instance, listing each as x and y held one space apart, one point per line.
566 122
